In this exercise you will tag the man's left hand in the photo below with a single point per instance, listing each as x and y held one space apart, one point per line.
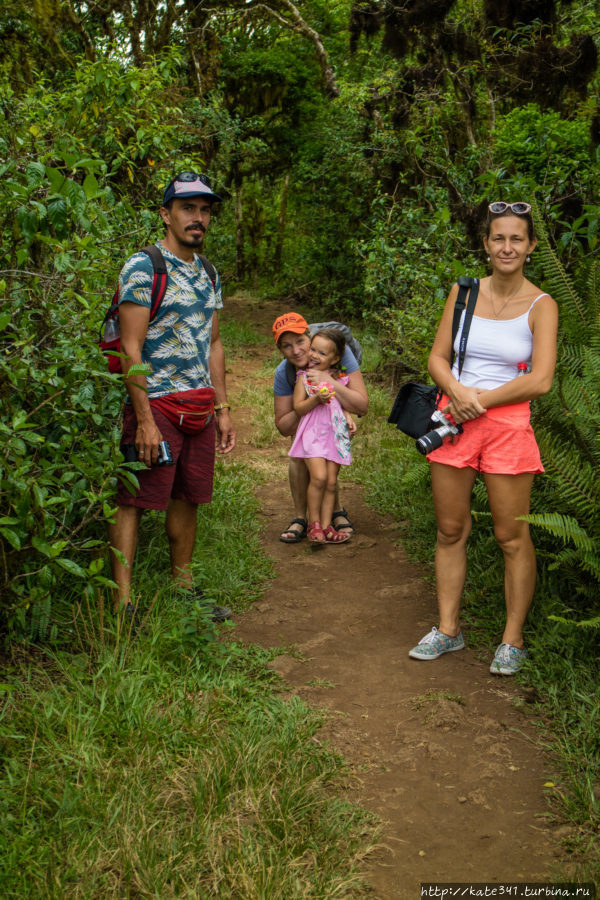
225 432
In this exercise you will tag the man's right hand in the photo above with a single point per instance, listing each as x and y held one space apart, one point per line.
147 439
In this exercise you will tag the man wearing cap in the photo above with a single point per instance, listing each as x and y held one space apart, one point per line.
292 336
182 399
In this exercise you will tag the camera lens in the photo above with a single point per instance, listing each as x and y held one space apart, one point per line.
429 442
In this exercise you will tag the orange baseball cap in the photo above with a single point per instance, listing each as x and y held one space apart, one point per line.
290 321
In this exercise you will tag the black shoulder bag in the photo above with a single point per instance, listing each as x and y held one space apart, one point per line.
414 403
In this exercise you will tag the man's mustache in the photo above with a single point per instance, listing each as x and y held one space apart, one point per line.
196 226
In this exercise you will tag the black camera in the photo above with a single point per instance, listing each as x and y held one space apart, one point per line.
165 457
433 439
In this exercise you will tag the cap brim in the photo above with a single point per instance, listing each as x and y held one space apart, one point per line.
208 194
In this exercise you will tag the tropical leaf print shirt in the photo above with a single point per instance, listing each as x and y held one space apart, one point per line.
177 345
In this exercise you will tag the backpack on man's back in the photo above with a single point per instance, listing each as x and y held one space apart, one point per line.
110 330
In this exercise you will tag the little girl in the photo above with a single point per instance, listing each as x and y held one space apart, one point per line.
323 434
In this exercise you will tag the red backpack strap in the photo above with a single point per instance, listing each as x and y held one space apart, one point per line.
160 280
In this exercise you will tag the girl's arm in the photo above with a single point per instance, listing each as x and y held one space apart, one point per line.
302 403
352 396
543 320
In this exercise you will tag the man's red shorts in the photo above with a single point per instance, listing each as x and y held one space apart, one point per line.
499 442
191 478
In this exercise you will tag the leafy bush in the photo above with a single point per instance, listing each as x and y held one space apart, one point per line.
67 222
568 424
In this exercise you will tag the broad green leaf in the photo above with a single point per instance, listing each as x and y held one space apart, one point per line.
42 546
90 186
71 567
34 173
28 222
57 180
77 198
57 213
11 536
95 566
5 318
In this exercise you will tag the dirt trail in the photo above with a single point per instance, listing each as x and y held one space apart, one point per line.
440 751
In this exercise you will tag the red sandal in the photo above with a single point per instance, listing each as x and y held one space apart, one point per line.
335 537
315 533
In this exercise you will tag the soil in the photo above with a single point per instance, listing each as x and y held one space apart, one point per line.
443 752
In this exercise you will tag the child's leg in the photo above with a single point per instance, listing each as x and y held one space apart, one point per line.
329 493
317 470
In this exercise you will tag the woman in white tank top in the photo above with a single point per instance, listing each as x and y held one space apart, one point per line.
509 361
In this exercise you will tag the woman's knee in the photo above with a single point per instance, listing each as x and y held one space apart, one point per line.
453 531
513 539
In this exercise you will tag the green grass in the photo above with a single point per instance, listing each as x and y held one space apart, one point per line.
169 764
238 337
184 780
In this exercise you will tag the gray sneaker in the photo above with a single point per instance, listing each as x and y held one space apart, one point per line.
508 660
435 643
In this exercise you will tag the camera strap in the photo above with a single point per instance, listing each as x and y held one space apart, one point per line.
470 285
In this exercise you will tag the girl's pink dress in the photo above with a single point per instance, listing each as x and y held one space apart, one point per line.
323 432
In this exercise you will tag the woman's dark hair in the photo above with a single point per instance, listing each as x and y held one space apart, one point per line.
337 339
527 218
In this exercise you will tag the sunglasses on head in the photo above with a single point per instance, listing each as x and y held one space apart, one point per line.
193 176
519 209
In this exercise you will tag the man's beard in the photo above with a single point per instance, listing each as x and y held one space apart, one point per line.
196 240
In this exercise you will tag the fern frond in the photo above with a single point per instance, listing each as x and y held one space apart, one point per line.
570 358
565 527
560 284
593 289
591 362
417 475
577 481
582 623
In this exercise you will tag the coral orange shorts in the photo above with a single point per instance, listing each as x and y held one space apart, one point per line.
499 442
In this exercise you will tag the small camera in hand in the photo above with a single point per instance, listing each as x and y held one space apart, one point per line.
165 457
433 439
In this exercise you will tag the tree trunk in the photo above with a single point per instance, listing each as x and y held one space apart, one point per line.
281 223
240 265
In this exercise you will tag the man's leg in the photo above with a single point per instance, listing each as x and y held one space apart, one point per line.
123 536
180 525
298 476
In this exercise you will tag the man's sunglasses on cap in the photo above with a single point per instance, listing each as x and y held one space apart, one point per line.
519 209
193 176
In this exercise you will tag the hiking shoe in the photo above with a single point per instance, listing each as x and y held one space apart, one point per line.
219 613
197 595
435 644
508 660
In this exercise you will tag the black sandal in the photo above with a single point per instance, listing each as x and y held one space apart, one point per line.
341 513
297 535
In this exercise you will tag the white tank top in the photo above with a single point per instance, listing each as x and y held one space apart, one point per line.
494 350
